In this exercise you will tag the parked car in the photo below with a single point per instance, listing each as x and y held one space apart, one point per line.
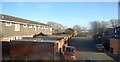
70 53
100 48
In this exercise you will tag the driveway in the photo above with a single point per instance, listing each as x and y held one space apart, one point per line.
86 49
0 51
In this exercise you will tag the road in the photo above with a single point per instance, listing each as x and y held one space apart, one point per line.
86 50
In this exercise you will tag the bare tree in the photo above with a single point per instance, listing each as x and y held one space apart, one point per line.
77 28
83 28
104 26
99 27
114 22
95 26
55 25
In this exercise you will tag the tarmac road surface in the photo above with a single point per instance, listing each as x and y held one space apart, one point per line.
86 50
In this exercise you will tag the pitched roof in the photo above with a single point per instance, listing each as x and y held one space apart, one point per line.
17 19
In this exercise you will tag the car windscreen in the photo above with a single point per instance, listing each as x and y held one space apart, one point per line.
99 46
69 50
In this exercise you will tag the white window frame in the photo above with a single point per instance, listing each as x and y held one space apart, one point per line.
41 27
30 26
44 27
20 37
25 25
5 38
38 26
10 38
16 37
8 24
50 29
47 27
17 27
35 28
2 16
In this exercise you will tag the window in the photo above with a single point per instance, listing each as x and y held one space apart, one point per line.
16 38
41 27
17 27
50 29
25 25
46 27
11 38
30 26
38 26
5 37
115 30
8 24
2 16
35 28
20 37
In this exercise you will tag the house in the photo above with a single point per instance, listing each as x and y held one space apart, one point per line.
12 28
110 37
115 42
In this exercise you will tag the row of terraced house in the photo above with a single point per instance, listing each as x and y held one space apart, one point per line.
12 28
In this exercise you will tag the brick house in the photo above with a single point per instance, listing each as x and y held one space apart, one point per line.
115 42
12 28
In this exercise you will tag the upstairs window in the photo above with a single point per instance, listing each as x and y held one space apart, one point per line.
41 27
17 27
38 26
8 24
50 29
46 27
5 37
30 26
35 28
25 25
2 16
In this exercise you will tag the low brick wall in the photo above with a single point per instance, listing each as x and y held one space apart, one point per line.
32 50
114 46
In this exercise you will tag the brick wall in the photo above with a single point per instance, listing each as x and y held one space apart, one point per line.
32 50
114 44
